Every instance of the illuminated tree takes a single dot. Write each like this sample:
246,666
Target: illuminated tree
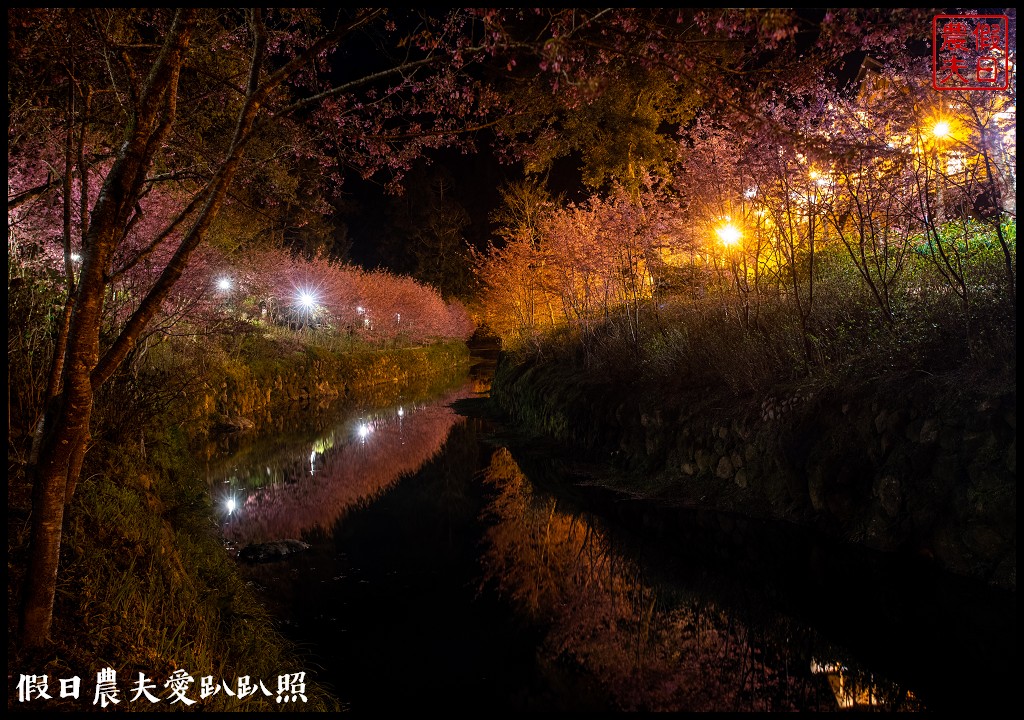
963,175
869,210
793,190
722,237
509,272
630,78
509,276
926,174
574,264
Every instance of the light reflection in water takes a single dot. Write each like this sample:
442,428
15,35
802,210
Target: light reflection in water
380,595
855,690
364,430
346,467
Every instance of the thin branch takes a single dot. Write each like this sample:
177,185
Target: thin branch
351,85
27,195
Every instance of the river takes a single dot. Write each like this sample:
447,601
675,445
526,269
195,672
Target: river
454,567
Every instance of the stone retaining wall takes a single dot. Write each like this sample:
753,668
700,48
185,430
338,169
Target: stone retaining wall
924,468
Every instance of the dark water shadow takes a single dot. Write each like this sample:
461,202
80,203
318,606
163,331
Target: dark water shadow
948,640
472,572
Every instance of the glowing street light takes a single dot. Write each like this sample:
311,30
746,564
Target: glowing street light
305,307
729,234
364,431
366,318
817,178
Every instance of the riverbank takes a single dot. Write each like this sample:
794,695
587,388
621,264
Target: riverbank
144,584
908,462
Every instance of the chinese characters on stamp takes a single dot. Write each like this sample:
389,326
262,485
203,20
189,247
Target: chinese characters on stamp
970,52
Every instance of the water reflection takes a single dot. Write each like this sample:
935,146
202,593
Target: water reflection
447,572
652,646
301,490
855,690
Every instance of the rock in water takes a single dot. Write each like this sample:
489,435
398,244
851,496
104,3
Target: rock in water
271,551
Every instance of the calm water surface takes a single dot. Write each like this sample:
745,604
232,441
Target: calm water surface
450,570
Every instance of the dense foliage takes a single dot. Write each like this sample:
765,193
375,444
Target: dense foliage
884,200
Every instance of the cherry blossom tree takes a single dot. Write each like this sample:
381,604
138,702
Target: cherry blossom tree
962,172
577,263
869,208
509,271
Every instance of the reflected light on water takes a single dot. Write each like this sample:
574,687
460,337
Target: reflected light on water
653,646
313,488
854,690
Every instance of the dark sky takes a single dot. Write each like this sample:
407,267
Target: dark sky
474,180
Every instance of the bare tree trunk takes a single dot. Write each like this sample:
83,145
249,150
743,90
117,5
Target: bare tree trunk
62,452
61,449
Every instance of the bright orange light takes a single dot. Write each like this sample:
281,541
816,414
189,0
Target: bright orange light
728,234
941,129
817,178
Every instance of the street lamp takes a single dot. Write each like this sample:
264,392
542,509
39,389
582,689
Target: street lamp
728,233
730,236
307,305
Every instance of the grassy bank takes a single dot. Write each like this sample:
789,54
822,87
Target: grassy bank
901,438
144,584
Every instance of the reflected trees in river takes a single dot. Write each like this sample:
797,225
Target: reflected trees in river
650,646
349,466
